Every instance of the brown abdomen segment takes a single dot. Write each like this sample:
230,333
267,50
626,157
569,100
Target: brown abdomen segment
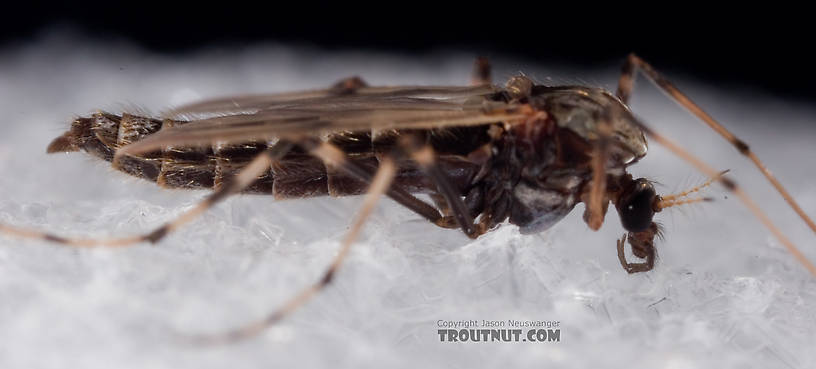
294,176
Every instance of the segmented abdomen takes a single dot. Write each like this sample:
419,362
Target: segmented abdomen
296,175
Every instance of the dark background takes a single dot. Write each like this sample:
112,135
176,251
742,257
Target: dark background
759,47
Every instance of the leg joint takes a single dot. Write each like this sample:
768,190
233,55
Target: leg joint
742,146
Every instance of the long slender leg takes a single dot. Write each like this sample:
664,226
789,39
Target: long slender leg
332,155
379,185
596,208
731,186
242,180
424,155
335,156
626,84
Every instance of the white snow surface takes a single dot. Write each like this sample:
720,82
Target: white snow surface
724,293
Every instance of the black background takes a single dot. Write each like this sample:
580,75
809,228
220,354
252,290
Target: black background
767,49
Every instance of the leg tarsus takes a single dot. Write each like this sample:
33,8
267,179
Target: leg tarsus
643,250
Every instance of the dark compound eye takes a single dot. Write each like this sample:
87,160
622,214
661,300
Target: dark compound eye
635,206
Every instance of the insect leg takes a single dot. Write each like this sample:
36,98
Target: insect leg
731,186
596,207
424,155
332,155
647,250
243,179
379,185
441,204
625,85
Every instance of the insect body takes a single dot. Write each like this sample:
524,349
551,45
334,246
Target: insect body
531,173
522,153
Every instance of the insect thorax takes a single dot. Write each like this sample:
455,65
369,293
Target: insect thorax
548,160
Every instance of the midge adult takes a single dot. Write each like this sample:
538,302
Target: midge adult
522,153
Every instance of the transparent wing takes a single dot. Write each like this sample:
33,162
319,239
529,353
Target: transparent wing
326,96
312,113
